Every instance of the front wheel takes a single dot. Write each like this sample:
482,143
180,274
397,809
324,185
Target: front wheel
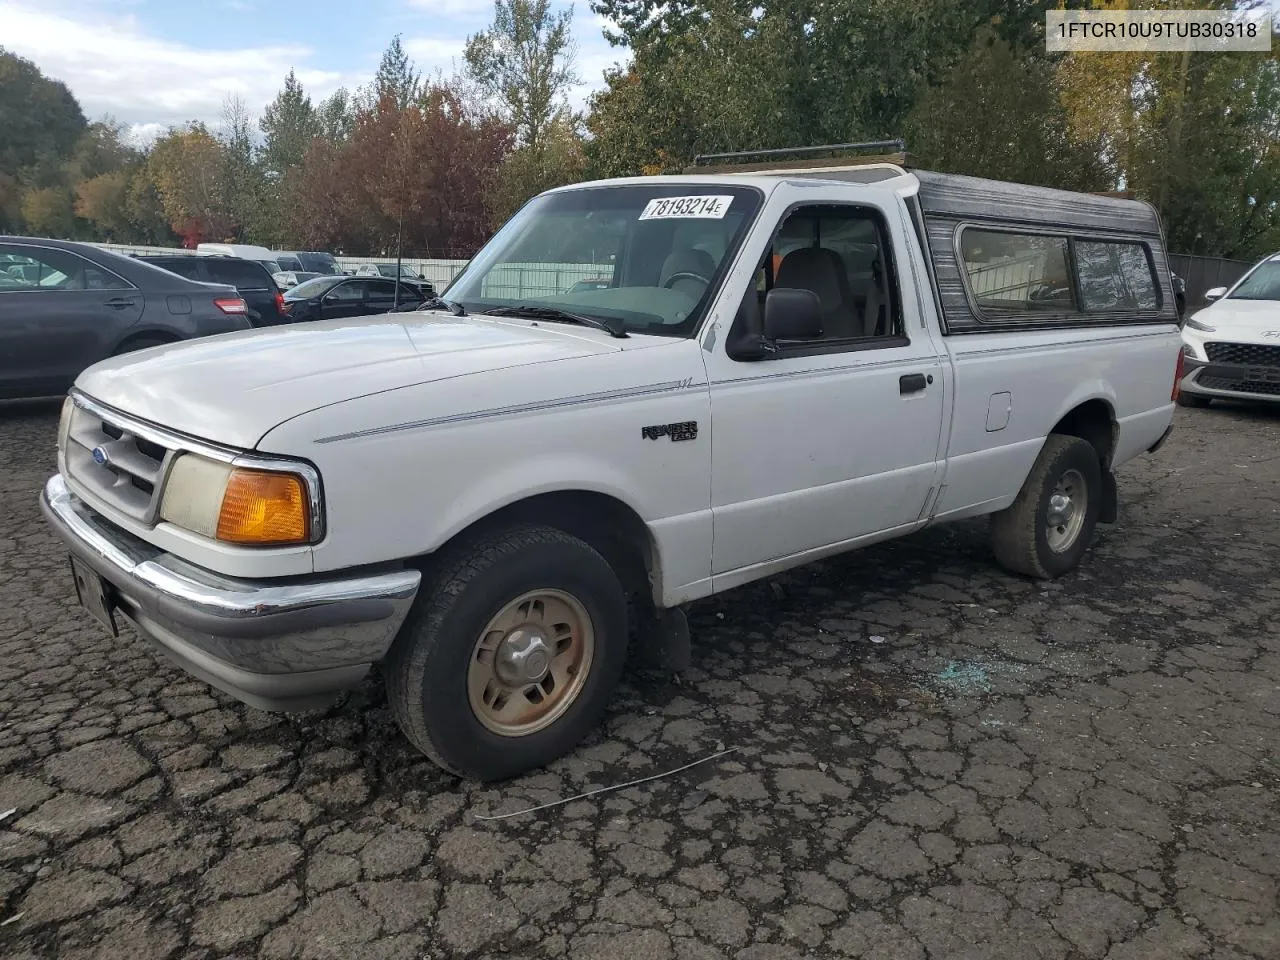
509,658
1045,532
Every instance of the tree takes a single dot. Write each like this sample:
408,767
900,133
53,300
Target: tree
432,163
335,116
104,201
996,114
525,62
10,204
526,172
242,177
102,148
717,75
49,212
289,125
145,209
39,117
1197,134
396,77
187,166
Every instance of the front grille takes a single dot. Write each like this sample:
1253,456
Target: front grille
1262,387
1248,354
129,474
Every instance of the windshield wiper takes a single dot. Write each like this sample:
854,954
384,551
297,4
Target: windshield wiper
610,325
440,303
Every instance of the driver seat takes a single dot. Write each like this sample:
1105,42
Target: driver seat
688,260
822,271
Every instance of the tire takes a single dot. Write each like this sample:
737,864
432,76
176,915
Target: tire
1021,535
141,343
433,666
1192,400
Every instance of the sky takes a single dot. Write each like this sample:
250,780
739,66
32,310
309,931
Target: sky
155,63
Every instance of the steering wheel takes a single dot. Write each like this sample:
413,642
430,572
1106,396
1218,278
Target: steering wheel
686,275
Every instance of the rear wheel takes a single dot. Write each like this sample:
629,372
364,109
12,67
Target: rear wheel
1045,532
1192,400
511,654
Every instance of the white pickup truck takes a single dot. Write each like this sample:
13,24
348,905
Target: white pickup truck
494,496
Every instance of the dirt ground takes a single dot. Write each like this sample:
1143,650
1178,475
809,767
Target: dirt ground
931,759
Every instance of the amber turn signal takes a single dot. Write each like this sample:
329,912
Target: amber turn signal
264,508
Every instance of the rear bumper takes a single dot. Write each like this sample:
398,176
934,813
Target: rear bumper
1230,381
290,645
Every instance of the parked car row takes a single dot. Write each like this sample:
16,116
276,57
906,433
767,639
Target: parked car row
287,269
64,305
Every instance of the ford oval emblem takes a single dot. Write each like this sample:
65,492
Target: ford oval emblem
1271,333
100,457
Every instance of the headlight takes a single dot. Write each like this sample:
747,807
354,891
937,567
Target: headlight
237,504
1195,324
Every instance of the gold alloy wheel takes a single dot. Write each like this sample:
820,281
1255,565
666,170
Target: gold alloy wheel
530,663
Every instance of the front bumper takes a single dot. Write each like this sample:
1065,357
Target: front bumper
289,645
1230,381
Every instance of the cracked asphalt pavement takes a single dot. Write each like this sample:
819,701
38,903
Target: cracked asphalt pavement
932,759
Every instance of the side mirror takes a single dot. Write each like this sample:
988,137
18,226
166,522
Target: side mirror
330,298
1214,293
792,314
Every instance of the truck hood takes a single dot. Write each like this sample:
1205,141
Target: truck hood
1244,321
232,389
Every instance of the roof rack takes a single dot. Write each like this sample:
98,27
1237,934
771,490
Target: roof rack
874,152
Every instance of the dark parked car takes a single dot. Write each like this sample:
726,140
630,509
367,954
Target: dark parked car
315,261
388,270
252,279
327,298
64,306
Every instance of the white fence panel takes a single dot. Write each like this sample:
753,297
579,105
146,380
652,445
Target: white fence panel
508,282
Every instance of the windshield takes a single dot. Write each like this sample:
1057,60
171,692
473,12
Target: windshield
1262,284
654,254
311,288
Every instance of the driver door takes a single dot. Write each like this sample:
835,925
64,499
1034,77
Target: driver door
822,443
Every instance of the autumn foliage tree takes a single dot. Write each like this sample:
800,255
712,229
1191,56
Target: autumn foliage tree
187,167
429,166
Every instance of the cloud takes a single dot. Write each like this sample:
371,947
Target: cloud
435,53
113,66
455,9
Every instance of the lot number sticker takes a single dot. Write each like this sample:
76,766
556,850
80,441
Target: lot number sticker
699,208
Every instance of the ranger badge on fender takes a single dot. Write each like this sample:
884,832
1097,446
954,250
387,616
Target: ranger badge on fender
676,431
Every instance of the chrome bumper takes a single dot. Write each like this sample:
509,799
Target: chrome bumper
289,645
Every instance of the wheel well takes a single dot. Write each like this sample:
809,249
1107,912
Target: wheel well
127,343
607,524
1094,422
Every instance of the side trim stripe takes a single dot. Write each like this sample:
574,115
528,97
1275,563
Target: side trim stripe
609,396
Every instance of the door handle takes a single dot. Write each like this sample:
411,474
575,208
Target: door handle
119,303
912,383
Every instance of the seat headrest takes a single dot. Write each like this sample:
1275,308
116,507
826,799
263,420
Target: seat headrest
814,268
